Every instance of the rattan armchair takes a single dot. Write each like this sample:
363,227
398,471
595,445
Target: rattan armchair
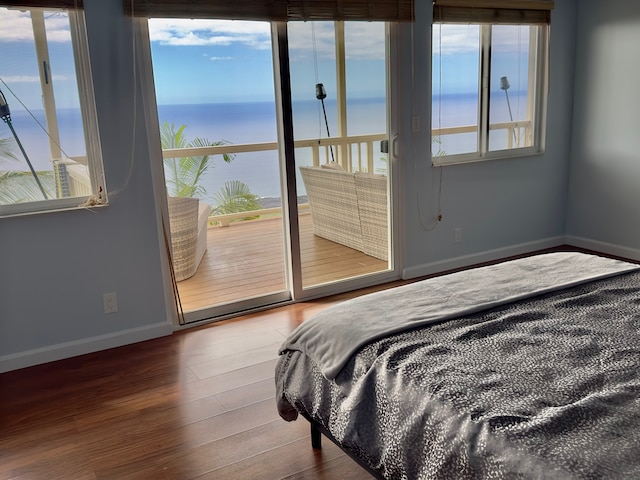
188,219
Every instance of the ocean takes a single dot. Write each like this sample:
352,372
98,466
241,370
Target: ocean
239,123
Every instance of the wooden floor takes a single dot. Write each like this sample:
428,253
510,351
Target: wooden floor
199,404
246,259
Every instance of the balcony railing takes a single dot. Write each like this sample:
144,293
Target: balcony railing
519,134
353,153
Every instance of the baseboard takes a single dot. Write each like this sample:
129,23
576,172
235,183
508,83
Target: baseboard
603,247
80,347
486,256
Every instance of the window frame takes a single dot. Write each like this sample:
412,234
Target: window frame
539,49
90,131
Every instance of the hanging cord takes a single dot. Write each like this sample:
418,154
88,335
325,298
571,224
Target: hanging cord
438,219
42,127
134,118
174,282
321,93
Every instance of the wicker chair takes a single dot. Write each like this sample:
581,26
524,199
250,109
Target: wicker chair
188,219
349,208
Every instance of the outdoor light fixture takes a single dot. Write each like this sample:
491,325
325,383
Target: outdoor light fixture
504,85
5,115
321,94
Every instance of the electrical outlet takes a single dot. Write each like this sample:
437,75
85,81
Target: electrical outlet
110,301
457,235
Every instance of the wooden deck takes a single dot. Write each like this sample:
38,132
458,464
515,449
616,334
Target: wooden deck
246,259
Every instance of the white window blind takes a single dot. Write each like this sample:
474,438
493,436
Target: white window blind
513,12
49,4
275,10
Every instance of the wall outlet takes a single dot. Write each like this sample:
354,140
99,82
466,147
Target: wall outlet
110,301
457,235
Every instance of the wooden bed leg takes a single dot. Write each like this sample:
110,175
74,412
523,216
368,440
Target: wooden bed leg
316,437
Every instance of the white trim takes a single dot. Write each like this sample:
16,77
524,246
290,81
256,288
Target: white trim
604,247
86,96
90,131
536,103
142,52
83,346
486,256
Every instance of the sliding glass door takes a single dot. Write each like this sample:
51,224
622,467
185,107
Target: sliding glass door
226,93
339,102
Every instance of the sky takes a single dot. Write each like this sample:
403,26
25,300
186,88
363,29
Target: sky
456,57
207,61
232,60
19,66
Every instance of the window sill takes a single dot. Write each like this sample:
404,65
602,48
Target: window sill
448,160
49,206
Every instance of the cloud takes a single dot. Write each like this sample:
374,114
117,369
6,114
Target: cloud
218,59
11,79
454,39
511,38
15,26
365,40
185,32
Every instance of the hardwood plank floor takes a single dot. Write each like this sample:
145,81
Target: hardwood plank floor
199,404
246,259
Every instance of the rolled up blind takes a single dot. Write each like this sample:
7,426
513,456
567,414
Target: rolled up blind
53,4
514,12
275,10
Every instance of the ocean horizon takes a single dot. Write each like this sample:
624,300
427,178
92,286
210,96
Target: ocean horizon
255,122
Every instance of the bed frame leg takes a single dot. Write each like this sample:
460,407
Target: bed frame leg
316,437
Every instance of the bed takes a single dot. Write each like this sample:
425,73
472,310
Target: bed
523,369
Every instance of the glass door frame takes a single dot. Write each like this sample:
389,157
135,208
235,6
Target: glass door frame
294,290
288,166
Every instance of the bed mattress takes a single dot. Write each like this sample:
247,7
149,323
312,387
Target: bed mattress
542,387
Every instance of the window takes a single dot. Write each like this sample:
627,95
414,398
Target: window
489,78
50,155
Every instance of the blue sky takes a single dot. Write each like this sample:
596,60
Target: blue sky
232,61
456,58
19,67
206,61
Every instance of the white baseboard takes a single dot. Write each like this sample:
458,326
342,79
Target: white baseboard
603,247
486,256
80,347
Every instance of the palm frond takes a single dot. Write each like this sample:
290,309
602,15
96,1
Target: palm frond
6,150
21,187
235,196
183,174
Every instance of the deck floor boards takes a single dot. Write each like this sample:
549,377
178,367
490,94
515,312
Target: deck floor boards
246,259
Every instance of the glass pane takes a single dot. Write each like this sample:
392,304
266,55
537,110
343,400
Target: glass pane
456,57
512,89
215,89
366,99
44,110
338,129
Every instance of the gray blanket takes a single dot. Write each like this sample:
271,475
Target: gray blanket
334,335
544,388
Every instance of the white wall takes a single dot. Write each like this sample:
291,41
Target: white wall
502,206
604,206
55,267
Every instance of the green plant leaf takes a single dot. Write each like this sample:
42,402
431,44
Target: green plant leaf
235,196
